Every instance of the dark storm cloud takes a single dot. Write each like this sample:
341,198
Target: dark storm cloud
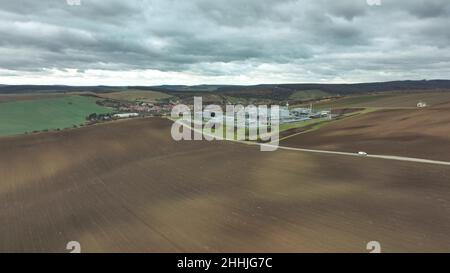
429,8
319,39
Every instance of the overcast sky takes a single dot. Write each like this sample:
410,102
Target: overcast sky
152,42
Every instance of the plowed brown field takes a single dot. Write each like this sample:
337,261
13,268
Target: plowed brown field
420,133
126,186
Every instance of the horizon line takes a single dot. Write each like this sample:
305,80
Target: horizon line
218,84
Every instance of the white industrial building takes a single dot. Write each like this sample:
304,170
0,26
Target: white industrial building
126,115
253,116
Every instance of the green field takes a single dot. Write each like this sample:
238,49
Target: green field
19,117
136,95
308,95
300,124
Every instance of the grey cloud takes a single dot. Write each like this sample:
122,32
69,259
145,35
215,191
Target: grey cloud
348,9
232,37
429,8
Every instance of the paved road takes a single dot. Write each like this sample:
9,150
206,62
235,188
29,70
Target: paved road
386,157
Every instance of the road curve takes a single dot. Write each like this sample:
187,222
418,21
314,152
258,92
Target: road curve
386,157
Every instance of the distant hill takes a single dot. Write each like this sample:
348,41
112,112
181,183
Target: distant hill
306,86
269,91
19,89
287,91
